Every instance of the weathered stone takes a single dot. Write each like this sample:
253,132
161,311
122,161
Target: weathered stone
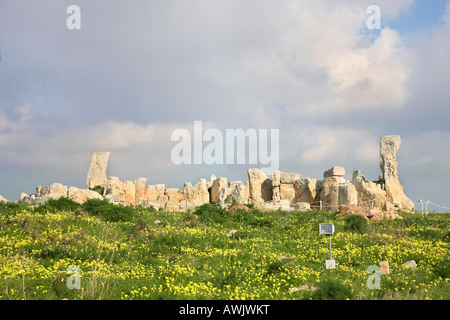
410,264
130,192
81,196
260,186
284,205
196,195
115,191
39,191
389,146
71,191
287,192
174,196
246,191
348,194
140,190
96,175
332,199
302,206
280,192
162,199
276,178
23,196
154,191
353,209
201,195
306,190
45,191
309,287
289,177
334,172
58,190
237,193
231,233
368,192
218,191
329,193
384,267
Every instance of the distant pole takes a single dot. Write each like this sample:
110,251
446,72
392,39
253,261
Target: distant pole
320,204
426,209
373,201
421,202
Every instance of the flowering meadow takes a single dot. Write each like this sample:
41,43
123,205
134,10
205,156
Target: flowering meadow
141,253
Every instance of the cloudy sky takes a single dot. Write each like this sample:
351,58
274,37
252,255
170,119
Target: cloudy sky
138,70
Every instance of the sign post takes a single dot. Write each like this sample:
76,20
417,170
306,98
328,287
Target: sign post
328,229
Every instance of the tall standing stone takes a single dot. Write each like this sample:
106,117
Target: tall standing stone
140,190
96,175
218,190
389,146
260,186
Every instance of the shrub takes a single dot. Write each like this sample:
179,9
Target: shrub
108,211
11,208
61,204
330,289
99,189
356,223
442,269
275,267
210,214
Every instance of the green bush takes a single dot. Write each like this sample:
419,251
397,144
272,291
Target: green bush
108,211
99,189
11,208
356,223
330,289
61,204
208,213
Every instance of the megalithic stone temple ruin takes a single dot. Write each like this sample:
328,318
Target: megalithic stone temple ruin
283,190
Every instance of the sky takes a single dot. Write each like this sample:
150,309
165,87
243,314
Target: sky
137,71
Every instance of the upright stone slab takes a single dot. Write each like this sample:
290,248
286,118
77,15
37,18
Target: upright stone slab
154,191
196,195
389,146
140,190
306,190
260,186
348,194
237,193
96,175
218,190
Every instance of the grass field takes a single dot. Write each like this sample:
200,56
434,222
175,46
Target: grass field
137,253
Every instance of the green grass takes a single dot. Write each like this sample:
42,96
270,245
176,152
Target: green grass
123,254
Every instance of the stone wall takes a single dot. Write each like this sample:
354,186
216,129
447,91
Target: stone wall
282,190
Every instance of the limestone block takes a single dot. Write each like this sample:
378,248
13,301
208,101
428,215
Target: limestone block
260,186
97,170
81,196
154,191
348,194
334,172
287,192
140,190
58,190
218,191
